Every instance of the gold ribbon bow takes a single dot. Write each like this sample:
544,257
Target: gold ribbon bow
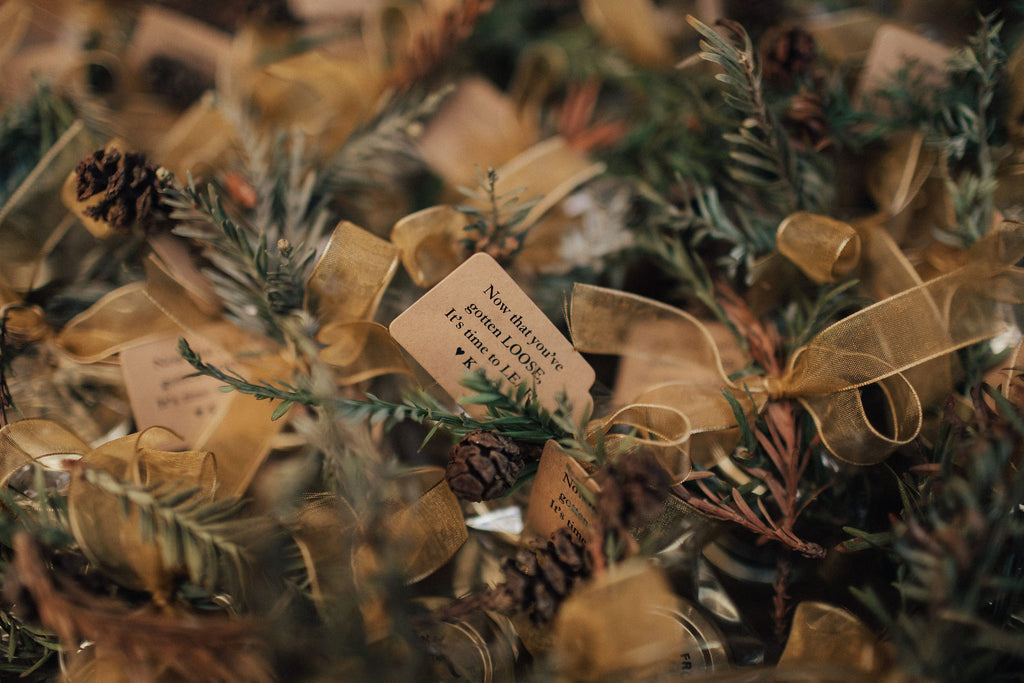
873,348
343,291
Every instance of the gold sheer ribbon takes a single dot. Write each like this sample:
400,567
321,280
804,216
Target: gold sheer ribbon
428,240
874,348
425,526
825,249
108,537
419,530
346,285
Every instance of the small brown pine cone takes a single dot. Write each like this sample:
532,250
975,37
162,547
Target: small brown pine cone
539,578
483,465
632,491
787,54
129,183
93,173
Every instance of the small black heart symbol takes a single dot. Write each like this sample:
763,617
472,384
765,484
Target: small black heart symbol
459,351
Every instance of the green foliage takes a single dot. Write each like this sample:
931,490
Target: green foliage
27,131
497,229
42,513
961,556
193,530
672,131
515,412
670,234
28,649
762,157
380,147
806,316
968,127
288,394
248,274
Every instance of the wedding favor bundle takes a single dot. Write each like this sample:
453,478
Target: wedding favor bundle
490,340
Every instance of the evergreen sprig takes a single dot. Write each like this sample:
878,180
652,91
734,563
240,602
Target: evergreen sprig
247,274
960,554
514,412
193,530
288,394
671,235
498,228
968,125
762,156
383,145
28,130
38,511
27,649
43,514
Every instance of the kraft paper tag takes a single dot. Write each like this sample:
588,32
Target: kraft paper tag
478,318
162,393
556,499
892,48
477,126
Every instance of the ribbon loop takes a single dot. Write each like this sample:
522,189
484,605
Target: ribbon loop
887,350
825,249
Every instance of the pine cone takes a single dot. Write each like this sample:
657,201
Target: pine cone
539,578
130,187
483,465
787,55
632,491
93,172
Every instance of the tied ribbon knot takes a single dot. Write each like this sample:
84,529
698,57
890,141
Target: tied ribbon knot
873,357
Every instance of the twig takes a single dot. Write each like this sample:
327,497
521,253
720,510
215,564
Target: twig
781,606
143,642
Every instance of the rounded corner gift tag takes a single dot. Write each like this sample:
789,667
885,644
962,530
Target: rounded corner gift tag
478,318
